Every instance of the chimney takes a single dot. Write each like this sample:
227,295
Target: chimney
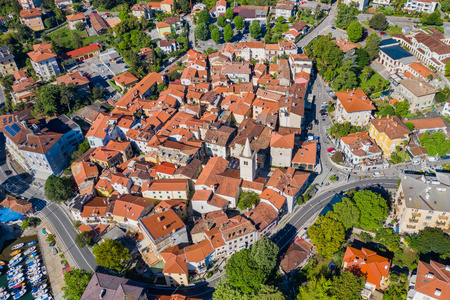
159,219
165,226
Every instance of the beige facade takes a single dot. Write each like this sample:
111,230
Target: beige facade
32,18
419,94
7,64
421,202
174,279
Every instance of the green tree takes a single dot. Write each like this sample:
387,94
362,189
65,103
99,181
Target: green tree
268,292
401,109
124,15
317,288
345,16
436,143
225,291
203,17
80,26
445,5
347,79
185,6
238,22
111,254
255,30
215,35
386,110
347,286
76,281
327,56
372,46
378,22
355,31
339,130
348,213
328,234
229,14
367,73
373,209
57,189
25,224
222,21
83,239
432,19
247,199
228,33
242,273
264,253
76,7
50,22
201,32
431,240
48,100
362,58
410,125
388,238
81,149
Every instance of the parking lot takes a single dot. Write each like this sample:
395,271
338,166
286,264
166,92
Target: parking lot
113,62
99,75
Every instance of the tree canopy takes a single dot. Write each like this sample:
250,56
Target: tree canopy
222,21
355,31
432,19
228,33
238,22
229,13
372,46
326,54
435,143
347,286
255,30
83,239
265,252
76,281
378,22
111,254
348,213
317,288
431,240
388,238
328,234
373,209
242,272
247,199
345,16
401,109
201,32
57,189
339,130
215,35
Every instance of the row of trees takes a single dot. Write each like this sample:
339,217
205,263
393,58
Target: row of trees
364,209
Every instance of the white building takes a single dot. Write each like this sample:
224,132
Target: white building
427,6
431,282
446,110
166,189
359,147
44,61
354,107
281,149
247,162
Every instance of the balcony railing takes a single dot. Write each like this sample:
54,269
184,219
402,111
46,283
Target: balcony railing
414,221
411,226
443,218
416,215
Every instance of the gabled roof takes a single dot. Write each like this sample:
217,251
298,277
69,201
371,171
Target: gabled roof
131,207
161,224
392,126
18,205
76,78
81,51
125,78
76,17
354,101
30,13
214,166
433,280
372,265
282,141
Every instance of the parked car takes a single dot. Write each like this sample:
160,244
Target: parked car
329,150
332,27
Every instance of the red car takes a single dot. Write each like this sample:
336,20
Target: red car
87,75
331,150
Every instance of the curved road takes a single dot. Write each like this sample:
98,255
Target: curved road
20,184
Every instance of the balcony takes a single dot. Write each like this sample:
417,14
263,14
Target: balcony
413,221
411,226
443,218
440,223
417,215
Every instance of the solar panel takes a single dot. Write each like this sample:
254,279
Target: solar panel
10,131
15,127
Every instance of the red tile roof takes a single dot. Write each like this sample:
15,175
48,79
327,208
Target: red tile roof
81,51
41,52
354,101
433,280
162,224
18,205
282,141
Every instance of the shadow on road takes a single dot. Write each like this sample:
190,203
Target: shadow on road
284,236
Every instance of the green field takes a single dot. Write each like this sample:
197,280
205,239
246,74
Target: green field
64,38
393,29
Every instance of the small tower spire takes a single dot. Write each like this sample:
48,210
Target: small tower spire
247,152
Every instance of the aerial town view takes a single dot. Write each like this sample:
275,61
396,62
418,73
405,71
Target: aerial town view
225,149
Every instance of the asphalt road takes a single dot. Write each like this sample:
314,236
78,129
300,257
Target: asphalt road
21,185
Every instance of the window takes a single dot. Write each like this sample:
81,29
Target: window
428,218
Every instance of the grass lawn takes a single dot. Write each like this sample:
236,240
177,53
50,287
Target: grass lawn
114,9
375,80
446,167
323,263
393,29
63,38
408,258
403,155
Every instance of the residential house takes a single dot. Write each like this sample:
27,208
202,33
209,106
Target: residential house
419,93
289,183
167,46
121,184
85,174
124,147
375,267
163,29
345,45
163,230
237,71
23,88
431,281
300,63
359,147
63,4
32,18
428,124
113,287
354,107
167,6
176,272
166,189
388,132
106,158
421,202
98,23
217,141
264,217
219,9
296,255
427,6
74,19
7,64
252,12
382,2
166,170
292,111
108,127
296,31
18,205
80,82
81,54
140,10
96,210
125,80
205,201
421,71
128,209
104,187
44,61
281,149
237,234
284,9
207,180
306,156
179,207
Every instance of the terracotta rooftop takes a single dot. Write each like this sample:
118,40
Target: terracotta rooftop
282,141
161,224
433,280
392,126
354,101
18,205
